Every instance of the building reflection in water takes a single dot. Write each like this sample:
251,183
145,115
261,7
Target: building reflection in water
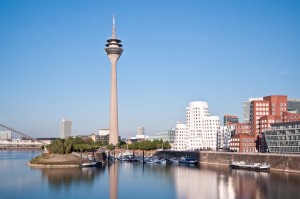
113,180
219,182
65,177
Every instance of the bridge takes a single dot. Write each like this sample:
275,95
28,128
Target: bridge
28,141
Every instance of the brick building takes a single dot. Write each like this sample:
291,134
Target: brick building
243,142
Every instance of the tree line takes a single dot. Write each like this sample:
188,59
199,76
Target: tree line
68,145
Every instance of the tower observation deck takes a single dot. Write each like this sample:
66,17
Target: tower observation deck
113,50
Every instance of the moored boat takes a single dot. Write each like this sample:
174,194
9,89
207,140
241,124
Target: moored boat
91,164
187,160
251,166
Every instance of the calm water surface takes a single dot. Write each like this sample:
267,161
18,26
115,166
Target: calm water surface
133,180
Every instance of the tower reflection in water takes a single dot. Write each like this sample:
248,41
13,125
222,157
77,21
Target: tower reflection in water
113,180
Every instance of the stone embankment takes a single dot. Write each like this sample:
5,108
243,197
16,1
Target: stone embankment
278,162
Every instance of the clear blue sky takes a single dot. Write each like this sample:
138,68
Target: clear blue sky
53,63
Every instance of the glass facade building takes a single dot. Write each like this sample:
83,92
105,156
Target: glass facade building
283,137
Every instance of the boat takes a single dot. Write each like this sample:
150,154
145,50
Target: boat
251,166
91,164
174,160
187,160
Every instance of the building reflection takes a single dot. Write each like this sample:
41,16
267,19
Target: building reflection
65,177
220,182
113,180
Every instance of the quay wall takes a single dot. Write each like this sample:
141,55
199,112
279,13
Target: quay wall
278,162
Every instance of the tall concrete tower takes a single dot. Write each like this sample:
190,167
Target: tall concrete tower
113,50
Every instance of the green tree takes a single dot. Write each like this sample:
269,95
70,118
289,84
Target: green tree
57,146
111,147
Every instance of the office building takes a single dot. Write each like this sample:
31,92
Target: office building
5,135
294,105
141,131
274,105
202,128
243,142
180,137
165,136
283,137
224,137
230,119
65,128
246,109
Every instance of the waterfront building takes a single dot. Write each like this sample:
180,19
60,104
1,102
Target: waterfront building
290,117
270,105
141,130
104,135
230,119
224,136
246,109
113,50
202,128
294,105
266,121
65,128
165,136
180,137
283,137
243,142
5,135
241,128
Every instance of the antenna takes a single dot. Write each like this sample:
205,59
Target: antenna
114,28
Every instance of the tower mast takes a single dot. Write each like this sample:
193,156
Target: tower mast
113,50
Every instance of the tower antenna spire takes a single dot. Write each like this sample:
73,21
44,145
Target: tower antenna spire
114,28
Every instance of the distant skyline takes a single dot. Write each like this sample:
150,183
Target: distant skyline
53,63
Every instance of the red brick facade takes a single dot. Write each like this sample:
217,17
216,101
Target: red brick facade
243,142
274,105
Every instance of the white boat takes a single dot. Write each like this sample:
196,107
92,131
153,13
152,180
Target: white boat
91,164
174,160
251,166
187,160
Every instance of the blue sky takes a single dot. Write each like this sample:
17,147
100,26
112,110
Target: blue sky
53,63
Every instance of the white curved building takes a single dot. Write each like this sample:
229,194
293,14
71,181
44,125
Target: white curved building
180,137
202,128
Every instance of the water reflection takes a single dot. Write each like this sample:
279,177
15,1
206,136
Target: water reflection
113,180
65,177
124,180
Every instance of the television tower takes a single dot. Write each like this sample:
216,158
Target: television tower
113,50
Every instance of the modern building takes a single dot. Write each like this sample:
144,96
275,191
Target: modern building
113,50
230,119
165,136
270,105
5,135
202,128
224,137
246,109
290,117
283,137
294,105
180,138
241,128
243,142
104,135
141,130
65,128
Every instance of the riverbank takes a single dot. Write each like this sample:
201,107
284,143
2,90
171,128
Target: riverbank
288,163
55,161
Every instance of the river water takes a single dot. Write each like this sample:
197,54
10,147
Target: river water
135,180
